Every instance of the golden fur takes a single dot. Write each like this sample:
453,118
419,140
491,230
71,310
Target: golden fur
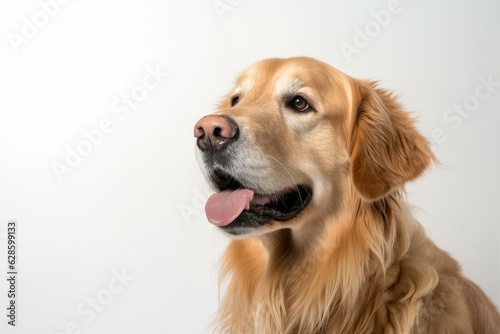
354,260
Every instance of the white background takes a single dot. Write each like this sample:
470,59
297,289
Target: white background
135,202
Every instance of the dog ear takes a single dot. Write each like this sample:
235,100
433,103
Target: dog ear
387,150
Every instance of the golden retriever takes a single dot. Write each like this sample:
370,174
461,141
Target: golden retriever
309,166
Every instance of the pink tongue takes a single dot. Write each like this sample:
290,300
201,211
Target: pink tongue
225,206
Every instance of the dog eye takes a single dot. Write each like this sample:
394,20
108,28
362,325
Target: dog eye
298,103
235,100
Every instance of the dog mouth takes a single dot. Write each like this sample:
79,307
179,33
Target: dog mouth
237,209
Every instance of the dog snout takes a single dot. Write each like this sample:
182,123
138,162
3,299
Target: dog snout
214,132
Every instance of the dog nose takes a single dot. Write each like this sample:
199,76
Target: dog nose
214,132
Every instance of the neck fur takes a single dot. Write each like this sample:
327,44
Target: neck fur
296,281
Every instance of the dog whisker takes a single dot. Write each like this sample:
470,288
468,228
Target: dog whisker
291,176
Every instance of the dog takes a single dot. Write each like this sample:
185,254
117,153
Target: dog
309,167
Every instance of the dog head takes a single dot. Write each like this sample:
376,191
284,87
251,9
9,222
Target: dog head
293,136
